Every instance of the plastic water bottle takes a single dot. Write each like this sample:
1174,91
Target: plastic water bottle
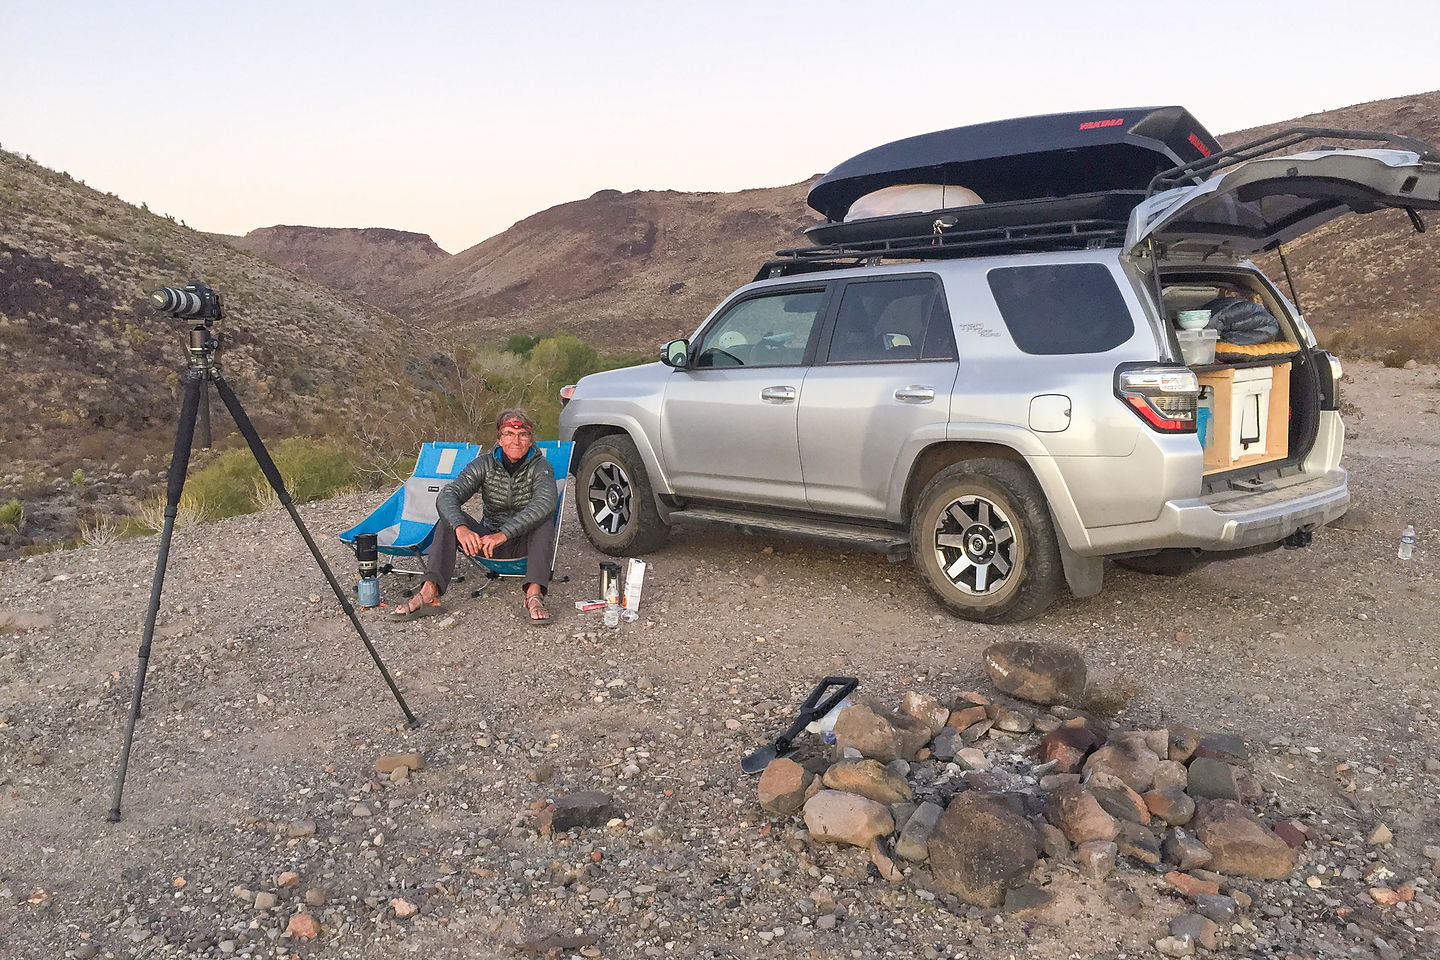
612,605
825,726
1407,543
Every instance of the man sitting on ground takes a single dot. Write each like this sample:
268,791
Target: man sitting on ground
517,490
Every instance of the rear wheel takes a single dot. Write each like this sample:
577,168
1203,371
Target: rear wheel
982,540
614,501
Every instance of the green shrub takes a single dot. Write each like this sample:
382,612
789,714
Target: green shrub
78,477
312,470
520,344
12,514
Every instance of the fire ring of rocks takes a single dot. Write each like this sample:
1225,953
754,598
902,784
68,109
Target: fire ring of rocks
976,792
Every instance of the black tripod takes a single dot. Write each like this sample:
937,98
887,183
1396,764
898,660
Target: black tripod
203,367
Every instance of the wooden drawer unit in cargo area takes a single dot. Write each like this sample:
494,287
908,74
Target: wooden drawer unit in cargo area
1248,419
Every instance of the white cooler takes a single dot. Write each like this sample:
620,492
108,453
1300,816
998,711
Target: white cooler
1249,411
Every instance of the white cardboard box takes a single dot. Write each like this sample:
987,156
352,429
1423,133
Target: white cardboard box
634,581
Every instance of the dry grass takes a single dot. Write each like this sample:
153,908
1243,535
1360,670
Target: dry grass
190,511
100,530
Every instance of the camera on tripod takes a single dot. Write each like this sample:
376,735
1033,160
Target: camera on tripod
194,302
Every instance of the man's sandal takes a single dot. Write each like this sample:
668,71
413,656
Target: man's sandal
536,604
415,607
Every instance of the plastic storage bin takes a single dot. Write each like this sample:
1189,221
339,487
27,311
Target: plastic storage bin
1197,347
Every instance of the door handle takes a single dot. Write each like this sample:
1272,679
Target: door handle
779,394
915,393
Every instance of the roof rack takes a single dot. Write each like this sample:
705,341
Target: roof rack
1280,140
946,242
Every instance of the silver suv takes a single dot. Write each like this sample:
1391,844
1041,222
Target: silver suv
999,390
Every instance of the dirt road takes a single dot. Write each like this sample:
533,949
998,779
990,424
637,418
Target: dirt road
264,718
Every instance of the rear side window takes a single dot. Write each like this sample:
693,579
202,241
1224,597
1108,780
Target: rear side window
1062,307
891,320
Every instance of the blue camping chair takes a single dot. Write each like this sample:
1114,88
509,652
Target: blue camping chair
558,452
405,523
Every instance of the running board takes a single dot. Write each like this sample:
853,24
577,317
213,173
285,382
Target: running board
891,543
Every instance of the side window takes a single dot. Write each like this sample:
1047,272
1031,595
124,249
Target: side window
1062,307
764,331
891,320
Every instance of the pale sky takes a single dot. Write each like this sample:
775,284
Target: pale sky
457,119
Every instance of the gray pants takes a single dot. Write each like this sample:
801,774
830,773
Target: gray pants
537,547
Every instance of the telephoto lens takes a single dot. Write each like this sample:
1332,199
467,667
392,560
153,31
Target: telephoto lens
196,300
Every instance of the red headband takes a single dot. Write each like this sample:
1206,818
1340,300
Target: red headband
517,424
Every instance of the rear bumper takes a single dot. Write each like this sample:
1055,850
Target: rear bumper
1236,519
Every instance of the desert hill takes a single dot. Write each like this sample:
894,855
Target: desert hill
1369,284
92,373
628,271
624,271
363,261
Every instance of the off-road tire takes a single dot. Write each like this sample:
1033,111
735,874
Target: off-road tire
986,522
613,499
1166,563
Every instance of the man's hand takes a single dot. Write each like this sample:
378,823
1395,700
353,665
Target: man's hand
472,543
490,542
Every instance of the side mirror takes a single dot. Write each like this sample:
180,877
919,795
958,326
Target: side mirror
676,354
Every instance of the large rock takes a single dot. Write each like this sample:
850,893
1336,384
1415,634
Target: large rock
1039,672
868,778
1075,810
839,817
981,847
1239,843
880,736
782,786
1128,758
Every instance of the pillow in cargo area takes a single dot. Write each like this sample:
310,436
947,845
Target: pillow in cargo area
910,198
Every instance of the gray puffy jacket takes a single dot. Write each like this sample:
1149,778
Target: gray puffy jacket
515,503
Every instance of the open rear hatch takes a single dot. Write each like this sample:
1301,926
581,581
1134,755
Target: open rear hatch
1258,204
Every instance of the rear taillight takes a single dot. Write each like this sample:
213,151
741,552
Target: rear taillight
566,392
1163,396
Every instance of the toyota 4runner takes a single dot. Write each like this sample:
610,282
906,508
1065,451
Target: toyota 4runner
978,363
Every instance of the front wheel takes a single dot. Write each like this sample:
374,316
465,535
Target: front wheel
614,501
982,540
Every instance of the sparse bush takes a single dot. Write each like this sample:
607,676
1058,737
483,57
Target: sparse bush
101,530
12,514
151,517
78,477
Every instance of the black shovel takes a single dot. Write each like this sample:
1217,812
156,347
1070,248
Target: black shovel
811,710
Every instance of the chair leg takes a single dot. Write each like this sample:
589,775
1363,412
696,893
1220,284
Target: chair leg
490,580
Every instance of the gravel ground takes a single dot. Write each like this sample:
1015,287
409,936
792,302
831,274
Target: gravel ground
264,718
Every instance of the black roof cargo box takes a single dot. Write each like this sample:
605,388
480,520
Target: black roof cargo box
1042,158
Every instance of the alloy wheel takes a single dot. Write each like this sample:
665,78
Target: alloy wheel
975,545
608,493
